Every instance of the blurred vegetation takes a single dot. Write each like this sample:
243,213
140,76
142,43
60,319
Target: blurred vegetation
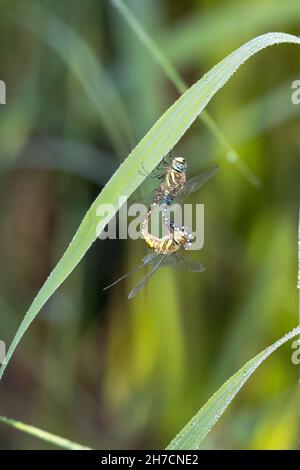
81,92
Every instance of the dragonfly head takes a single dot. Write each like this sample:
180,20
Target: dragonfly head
179,164
182,236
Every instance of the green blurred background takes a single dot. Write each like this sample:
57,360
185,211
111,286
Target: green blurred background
81,92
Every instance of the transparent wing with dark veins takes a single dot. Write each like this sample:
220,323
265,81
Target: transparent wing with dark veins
193,184
147,260
157,262
180,262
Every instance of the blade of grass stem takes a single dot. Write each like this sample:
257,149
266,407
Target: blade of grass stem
43,435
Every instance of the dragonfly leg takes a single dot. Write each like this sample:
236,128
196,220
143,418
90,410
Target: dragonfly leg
143,171
153,174
165,159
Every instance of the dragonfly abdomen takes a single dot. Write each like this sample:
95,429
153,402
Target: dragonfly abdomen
164,245
170,243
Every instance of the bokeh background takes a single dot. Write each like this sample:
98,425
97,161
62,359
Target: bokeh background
81,92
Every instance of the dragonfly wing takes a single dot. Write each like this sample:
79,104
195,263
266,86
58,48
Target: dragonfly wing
157,262
146,260
195,183
150,258
184,264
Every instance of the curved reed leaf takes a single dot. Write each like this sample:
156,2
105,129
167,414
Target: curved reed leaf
43,435
161,138
199,426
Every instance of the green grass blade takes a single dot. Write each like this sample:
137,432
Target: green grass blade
161,138
170,71
224,20
199,426
72,48
150,45
43,435
68,155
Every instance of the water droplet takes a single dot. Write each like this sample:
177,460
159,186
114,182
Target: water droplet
231,157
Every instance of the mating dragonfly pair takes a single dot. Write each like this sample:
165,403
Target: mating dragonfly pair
174,186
